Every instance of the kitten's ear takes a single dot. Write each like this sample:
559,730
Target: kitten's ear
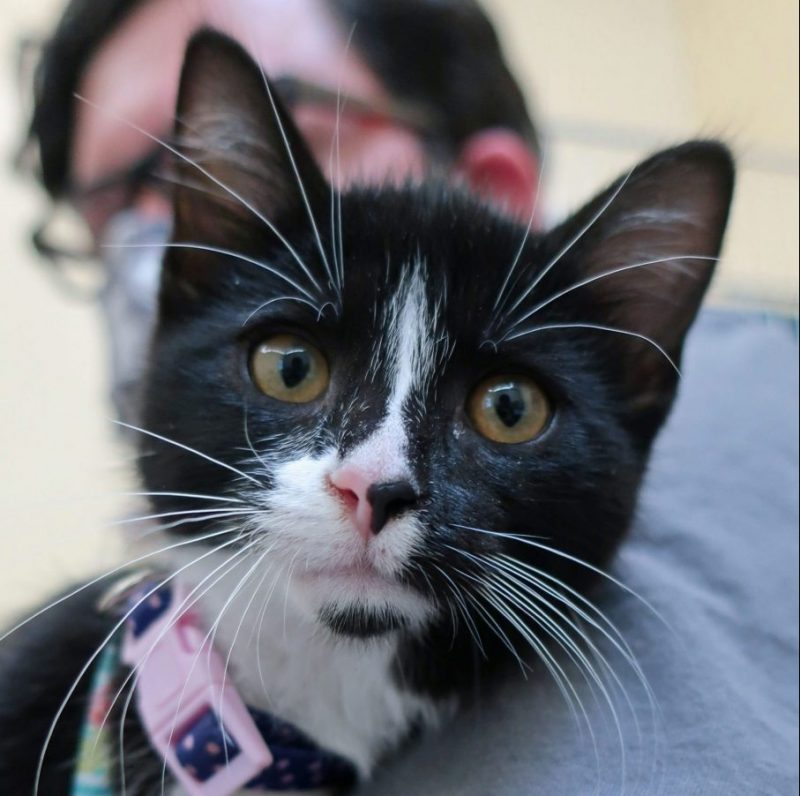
242,158
669,215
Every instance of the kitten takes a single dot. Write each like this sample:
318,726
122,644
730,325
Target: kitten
417,421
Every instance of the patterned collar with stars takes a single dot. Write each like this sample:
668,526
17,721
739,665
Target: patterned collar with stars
210,741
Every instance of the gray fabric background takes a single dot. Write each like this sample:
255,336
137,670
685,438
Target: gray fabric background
715,551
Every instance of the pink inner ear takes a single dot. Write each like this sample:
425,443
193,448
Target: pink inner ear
500,166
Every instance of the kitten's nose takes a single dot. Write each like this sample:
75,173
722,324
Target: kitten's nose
372,504
388,500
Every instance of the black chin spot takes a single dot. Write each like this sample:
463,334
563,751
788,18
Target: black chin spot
360,622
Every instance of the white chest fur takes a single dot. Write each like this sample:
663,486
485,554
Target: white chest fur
339,691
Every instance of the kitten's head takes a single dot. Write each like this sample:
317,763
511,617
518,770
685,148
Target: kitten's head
407,392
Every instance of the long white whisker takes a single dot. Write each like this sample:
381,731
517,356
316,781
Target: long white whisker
464,608
617,640
187,603
256,588
575,560
181,495
208,643
168,526
108,574
260,624
215,511
524,668
190,600
560,678
603,275
234,255
599,328
296,171
186,159
319,310
85,668
189,450
570,646
339,110
501,295
528,290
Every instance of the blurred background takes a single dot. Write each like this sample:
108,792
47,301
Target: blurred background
607,81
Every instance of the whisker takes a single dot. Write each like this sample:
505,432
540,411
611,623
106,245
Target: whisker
182,513
556,671
180,611
186,159
605,274
529,540
319,310
208,642
96,653
501,295
108,574
599,328
181,495
460,602
577,237
261,617
187,603
569,645
189,450
524,668
339,110
192,520
201,247
617,640
246,610
296,171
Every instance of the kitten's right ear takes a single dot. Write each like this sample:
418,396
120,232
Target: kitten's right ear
242,161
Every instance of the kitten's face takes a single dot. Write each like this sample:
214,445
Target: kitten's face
394,381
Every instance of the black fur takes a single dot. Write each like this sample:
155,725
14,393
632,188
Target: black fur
38,665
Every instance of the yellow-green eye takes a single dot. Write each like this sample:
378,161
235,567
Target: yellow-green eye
509,409
288,368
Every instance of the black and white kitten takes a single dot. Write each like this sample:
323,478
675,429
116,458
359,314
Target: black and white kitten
415,419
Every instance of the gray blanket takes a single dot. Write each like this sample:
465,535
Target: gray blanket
715,552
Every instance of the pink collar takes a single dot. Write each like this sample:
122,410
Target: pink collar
211,742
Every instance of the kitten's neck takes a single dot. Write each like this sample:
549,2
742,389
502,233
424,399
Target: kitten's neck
341,692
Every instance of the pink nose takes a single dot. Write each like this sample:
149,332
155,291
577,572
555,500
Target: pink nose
371,505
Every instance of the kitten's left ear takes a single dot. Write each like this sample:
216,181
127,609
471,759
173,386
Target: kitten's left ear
243,160
646,250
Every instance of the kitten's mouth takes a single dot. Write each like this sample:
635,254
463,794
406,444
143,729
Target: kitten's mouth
360,573
360,601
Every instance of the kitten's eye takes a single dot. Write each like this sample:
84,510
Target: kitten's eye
509,409
289,369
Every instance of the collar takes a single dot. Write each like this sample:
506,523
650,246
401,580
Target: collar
211,741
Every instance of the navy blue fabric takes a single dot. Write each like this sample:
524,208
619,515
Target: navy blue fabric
715,552
147,609
205,747
299,764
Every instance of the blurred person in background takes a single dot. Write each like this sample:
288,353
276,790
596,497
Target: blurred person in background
383,90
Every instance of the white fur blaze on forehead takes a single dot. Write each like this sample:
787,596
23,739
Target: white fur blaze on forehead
411,339
409,347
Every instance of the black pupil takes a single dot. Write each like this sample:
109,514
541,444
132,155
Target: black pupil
509,405
294,367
